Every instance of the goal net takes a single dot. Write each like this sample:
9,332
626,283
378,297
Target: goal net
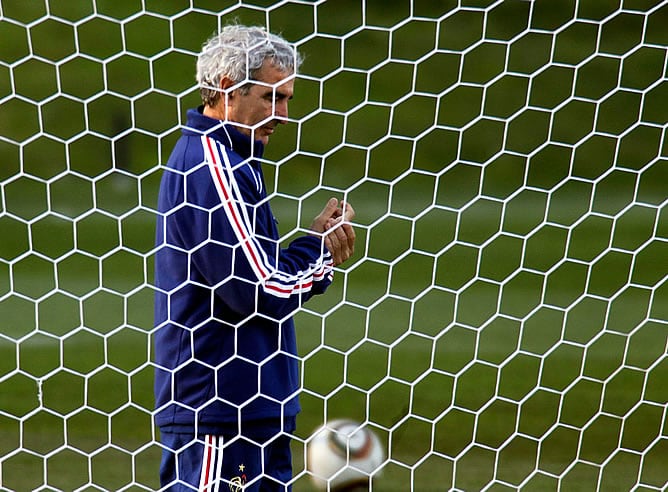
502,324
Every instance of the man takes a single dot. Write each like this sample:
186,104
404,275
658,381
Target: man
227,377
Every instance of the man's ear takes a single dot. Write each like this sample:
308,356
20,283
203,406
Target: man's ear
225,84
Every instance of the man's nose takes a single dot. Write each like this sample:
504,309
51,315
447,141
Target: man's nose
281,111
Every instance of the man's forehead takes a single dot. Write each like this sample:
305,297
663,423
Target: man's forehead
270,75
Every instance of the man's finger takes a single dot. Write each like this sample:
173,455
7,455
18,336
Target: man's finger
330,211
348,211
330,207
350,236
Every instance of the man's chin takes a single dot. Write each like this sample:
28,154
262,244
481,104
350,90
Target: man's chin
264,135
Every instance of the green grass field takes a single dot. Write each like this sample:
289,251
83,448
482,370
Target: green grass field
502,324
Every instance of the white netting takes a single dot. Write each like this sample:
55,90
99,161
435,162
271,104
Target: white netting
503,322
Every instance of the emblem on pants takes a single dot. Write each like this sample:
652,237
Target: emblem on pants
238,482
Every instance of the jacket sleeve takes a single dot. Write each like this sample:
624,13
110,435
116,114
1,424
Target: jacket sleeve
250,273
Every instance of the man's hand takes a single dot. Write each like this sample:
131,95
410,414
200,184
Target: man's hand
334,221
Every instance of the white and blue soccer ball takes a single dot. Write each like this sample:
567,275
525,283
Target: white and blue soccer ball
343,454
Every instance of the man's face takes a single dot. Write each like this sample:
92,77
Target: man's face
265,105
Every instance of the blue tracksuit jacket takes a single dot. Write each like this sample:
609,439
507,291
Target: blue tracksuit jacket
224,343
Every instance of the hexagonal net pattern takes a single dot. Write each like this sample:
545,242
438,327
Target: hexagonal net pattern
503,320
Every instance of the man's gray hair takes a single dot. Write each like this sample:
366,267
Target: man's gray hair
237,52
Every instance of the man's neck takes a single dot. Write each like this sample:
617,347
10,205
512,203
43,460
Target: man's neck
213,113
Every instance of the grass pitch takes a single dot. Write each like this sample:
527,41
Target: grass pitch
504,317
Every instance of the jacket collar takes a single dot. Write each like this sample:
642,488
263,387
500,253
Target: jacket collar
227,134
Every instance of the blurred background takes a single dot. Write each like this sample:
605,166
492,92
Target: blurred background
503,321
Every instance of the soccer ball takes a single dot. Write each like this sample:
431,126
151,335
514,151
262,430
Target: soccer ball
343,454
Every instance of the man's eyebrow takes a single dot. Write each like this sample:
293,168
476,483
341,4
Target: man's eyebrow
283,94
279,93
